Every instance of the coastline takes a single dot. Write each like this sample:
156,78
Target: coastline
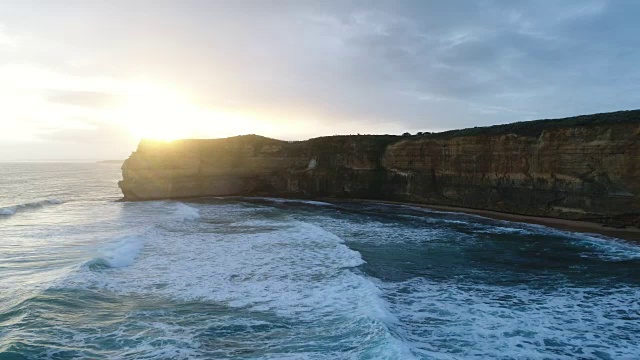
628,233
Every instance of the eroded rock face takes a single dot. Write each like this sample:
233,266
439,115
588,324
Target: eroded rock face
587,172
255,165
574,173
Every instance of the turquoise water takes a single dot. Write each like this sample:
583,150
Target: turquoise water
82,276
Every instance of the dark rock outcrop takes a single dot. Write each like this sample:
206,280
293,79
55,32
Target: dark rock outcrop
582,168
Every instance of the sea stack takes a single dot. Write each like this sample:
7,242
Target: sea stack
581,168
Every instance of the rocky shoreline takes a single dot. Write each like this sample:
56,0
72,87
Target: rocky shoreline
626,232
584,169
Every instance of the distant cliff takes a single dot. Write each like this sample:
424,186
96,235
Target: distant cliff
582,168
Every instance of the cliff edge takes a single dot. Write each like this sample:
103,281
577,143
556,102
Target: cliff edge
580,168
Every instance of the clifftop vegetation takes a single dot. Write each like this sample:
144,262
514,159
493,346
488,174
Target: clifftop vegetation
534,128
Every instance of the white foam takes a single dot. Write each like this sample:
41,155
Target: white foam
12,210
388,232
504,230
268,269
305,274
455,320
292,201
122,253
294,269
185,212
597,246
608,249
433,211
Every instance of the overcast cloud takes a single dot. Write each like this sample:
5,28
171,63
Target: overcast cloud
330,67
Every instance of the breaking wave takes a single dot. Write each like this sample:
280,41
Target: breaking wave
185,212
291,201
118,255
12,210
307,282
295,270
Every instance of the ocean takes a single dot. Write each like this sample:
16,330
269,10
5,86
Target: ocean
84,276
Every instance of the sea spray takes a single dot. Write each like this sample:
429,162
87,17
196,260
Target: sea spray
293,270
122,253
185,212
274,280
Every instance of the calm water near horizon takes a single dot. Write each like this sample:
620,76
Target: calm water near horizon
83,276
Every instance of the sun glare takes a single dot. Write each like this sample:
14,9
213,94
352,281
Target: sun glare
158,113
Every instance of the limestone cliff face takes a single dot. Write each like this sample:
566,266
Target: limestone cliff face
575,169
255,165
574,173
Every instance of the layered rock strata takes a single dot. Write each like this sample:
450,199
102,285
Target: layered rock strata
583,168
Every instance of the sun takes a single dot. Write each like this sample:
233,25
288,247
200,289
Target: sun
160,113
157,113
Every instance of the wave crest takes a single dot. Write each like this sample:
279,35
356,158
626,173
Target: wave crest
118,255
186,213
12,210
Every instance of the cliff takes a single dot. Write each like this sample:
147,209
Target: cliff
581,168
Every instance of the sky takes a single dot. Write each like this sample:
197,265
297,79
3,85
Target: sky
87,79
